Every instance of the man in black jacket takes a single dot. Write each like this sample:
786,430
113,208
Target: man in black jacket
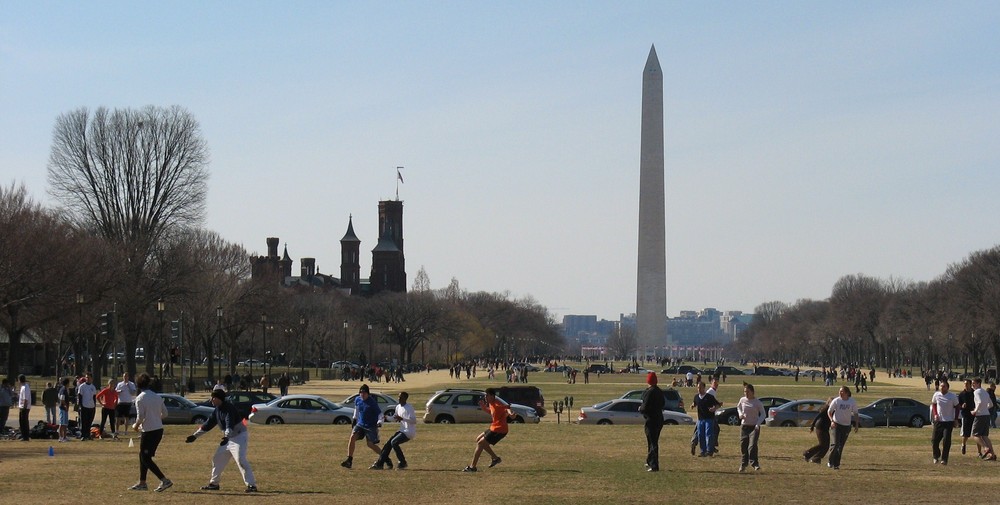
234,442
652,410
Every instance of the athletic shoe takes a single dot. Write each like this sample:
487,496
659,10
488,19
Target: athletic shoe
936,461
139,487
818,461
251,489
402,466
991,457
375,466
652,469
756,468
944,462
165,484
470,469
743,468
495,462
388,464
346,463
963,448
806,457
693,447
211,486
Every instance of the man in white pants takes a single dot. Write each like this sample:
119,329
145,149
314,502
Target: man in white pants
234,442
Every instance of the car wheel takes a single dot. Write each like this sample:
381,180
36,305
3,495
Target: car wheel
518,420
788,424
733,419
342,420
275,420
199,420
604,421
917,422
670,422
444,420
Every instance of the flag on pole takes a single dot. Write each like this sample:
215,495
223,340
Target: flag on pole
399,175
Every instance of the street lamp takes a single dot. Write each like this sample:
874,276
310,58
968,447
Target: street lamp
263,333
422,361
160,307
302,347
371,358
218,336
389,340
345,341
79,306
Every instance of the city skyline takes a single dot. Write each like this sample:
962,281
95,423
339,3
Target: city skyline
803,142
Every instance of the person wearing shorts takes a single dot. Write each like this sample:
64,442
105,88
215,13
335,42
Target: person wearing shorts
127,392
499,411
966,401
63,398
367,417
981,424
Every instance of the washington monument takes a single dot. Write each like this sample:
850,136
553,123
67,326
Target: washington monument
651,295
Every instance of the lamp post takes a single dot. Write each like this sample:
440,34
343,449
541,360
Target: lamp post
389,341
302,348
371,345
263,333
160,307
345,340
422,361
218,337
79,325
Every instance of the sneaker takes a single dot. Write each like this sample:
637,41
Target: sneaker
936,461
211,486
495,462
817,461
963,448
743,468
756,468
346,463
402,466
944,461
470,469
139,487
693,447
388,464
375,466
251,489
165,484
991,457
806,456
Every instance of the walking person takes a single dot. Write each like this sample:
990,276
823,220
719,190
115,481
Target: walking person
706,405
283,382
751,412
108,398
366,423
23,403
149,414
407,418
235,438
499,413
651,409
843,414
127,391
981,423
86,395
820,425
944,414
967,403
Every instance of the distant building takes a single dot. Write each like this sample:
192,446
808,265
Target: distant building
388,271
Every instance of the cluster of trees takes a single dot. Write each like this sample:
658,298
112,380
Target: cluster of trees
127,240
951,322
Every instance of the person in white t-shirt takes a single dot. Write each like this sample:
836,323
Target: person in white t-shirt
843,414
944,415
981,424
127,392
149,414
751,412
407,418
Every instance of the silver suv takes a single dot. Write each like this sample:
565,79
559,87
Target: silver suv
462,406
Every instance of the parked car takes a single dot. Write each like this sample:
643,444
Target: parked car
243,400
180,410
729,415
462,406
524,395
301,409
902,412
386,403
681,370
766,370
595,368
725,369
623,411
802,413
672,399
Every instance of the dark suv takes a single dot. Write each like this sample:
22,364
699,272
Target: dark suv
525,395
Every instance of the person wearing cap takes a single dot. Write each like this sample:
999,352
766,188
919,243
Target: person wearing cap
366,421
235,438
651,409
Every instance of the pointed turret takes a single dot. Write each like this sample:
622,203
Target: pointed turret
350,259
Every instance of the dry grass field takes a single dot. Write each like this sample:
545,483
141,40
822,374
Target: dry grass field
546,463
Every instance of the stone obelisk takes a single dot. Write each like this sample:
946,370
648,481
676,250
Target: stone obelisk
651,295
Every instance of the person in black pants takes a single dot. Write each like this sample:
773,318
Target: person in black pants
967,402
944,414
24,403
843,414
651,409
821,425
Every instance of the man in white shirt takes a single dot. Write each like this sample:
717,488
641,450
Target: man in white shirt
407,418
944,415
24,403
981,424
751,412
127,392
86,395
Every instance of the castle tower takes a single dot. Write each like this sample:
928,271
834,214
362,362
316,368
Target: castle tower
388,258
350,259
651,292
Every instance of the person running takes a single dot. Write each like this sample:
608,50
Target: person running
843,414
944,414
967,402
981,423
821,425
706,405
126,395
108,398
495,433
751,412
149,414
235,438
366,422
651,409
407,418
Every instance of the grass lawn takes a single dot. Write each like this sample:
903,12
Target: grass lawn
546,463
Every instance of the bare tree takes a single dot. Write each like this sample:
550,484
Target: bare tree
421,283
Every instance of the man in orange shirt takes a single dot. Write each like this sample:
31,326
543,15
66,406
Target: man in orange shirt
497,430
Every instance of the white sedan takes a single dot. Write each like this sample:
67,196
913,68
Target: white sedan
301,409
622,411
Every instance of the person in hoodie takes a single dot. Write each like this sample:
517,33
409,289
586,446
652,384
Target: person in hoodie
235,438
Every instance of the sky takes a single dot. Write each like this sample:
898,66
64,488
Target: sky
804,141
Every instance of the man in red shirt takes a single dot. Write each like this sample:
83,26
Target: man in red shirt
497,430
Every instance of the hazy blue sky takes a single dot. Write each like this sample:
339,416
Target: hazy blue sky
804,140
